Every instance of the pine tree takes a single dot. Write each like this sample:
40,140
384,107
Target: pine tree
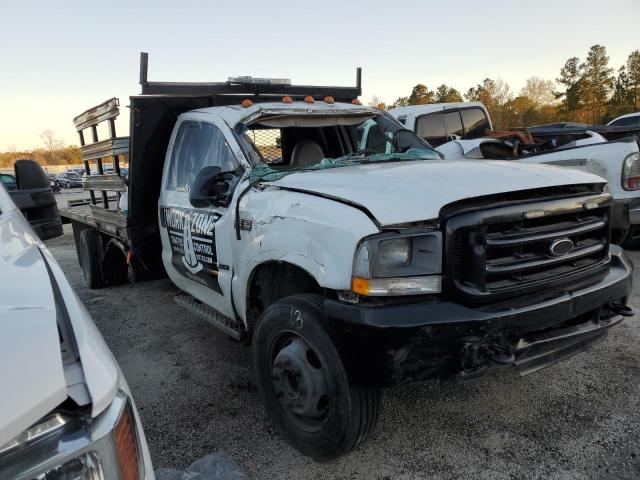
570,78
445,94
597,81
421,95
633,71
622,99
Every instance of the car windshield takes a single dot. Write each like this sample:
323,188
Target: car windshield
280,147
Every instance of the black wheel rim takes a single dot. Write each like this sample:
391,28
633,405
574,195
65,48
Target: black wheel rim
299,380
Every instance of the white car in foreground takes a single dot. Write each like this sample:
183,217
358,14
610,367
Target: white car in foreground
66,411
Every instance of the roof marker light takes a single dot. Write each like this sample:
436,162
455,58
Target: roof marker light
329,100
309,99
356,101
287,99
246,103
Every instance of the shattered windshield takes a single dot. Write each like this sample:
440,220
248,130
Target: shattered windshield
285,145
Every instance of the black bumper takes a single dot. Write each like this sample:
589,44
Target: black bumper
391,344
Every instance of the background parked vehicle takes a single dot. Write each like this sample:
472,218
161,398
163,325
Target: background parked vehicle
439,123
8,181
562,144
54,182
66,409
350,265
70,179
628,120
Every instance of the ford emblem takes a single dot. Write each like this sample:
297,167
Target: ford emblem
560,247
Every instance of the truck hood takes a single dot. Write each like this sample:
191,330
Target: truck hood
32,373
417,190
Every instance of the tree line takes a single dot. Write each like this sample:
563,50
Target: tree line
54,152
588,91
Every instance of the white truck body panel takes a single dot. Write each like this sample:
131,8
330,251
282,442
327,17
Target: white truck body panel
427,185
318,227
32,377
603,159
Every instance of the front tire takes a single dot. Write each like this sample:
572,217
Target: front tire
303,383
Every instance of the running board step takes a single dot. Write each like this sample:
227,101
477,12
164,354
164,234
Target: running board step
212,316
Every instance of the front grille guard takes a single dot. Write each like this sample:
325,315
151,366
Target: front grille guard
471,238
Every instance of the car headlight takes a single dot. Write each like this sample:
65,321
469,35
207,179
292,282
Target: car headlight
389,264
631,172
77,447
395,253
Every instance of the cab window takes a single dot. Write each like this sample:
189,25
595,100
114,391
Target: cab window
197,145
625,122
475,122
453,124
432,129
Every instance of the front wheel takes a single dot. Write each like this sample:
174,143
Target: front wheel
303,383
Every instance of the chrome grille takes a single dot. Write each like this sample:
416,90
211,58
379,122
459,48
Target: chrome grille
496,253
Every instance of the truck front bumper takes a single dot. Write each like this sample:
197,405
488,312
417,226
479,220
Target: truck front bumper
435,339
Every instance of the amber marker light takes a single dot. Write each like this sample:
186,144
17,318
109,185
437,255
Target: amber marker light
127,447
287,100
246,103
329,100
309,99
360,285
356,101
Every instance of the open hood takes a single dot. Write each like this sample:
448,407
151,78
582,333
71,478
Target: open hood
417,190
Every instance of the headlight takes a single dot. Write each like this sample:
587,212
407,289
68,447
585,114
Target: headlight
47,426
631,172
77,447
394,253
399,264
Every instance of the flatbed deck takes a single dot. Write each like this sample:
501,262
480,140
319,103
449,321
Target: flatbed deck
113,222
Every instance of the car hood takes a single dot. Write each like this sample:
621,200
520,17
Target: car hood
417,190
32,374
32,380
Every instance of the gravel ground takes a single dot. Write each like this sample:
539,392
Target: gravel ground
196,395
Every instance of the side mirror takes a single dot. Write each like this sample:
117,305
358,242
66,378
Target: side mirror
35,199
212,186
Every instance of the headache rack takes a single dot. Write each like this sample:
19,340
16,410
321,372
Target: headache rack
255,89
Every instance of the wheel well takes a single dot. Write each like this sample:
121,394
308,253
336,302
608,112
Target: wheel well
270,282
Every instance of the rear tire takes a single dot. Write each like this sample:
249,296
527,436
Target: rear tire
91,258
115,270
303,383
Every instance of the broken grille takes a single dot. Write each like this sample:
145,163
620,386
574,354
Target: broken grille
498,253
268,143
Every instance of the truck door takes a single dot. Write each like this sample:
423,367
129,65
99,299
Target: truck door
196,242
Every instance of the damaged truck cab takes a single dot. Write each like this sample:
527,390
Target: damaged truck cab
353,268
352,263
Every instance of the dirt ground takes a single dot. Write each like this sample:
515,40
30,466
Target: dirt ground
196,395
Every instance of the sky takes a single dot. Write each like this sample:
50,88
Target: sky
59,58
